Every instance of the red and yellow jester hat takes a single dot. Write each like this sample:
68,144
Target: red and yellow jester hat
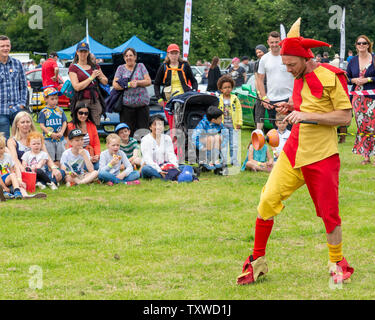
295,45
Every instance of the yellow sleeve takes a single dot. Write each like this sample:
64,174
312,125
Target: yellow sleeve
339,97
238,113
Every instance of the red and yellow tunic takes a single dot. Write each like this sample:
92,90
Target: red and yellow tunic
310,156
321,91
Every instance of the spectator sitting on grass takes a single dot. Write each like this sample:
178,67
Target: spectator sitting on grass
74,159
35,160
258,160
111,161
284,134
209,138
157,151
82,119
7,173
129,145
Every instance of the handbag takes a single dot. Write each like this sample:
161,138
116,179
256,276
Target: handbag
67,89
119,103
117,107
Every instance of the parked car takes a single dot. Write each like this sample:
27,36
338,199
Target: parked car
109,122
35,93
245,95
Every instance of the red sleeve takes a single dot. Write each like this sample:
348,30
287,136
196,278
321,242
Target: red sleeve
94,137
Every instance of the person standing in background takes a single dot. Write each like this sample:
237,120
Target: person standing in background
13,88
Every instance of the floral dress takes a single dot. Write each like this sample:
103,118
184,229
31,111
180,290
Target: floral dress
365,117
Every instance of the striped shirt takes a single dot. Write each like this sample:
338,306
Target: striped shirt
86,140
13,89
130,147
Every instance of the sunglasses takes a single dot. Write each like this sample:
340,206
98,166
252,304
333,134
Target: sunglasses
81,113
364,43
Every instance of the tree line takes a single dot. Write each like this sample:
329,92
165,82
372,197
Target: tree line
225,28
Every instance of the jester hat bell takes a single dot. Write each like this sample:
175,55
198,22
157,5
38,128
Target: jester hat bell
295,45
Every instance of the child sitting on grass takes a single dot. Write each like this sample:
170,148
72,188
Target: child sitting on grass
258,160
111,161
35,160
284,134
74,159
209,139
129,145
8,177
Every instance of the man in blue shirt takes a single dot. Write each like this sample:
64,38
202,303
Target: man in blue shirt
13,88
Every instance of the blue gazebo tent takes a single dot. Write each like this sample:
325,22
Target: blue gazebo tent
100,51
139,46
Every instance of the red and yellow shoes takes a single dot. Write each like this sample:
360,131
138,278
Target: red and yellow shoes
340,271
252,270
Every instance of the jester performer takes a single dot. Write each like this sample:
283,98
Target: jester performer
309,156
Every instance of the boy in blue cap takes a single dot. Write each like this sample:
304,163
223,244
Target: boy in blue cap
129,145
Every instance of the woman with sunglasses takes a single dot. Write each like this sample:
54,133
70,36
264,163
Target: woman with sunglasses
82,119
361,75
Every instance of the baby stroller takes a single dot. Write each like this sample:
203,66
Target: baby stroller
188,110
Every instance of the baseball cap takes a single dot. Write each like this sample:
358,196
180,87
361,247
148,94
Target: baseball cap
48,91
75,133
83,46
121,126
173,47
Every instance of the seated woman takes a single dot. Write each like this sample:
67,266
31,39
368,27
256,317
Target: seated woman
258,160
157,151
17,146
82,119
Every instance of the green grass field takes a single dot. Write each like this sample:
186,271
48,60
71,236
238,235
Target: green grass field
163,240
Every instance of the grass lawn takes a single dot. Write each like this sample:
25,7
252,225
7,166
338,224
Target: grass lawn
162,240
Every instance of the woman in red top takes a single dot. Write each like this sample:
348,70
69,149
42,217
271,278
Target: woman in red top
87,87
82,119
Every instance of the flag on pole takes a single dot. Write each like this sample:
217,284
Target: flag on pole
282,32
87,32
187,27
342,40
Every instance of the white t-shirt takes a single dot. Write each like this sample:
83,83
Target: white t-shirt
154,154
283,137
6,163
279,81
74,163
33,159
